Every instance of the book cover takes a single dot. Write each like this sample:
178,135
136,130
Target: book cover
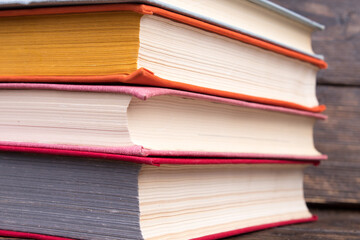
173,76
155,119
106,196
217,14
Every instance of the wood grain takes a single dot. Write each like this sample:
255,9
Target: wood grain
332,225
337,180
339,42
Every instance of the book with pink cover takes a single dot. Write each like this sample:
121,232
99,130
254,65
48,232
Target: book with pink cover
155,119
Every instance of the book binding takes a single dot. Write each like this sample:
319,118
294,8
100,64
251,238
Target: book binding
151,10
171,7
144,93
7,233
156,161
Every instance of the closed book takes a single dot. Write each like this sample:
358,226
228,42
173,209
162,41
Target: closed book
148,121
257,18
111,197
147,45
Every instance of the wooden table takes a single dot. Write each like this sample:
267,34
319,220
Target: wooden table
333,224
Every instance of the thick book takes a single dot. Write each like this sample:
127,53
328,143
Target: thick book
147,45
111,197
257,18
148,121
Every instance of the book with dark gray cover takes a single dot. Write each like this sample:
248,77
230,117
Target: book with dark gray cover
79,198
63,195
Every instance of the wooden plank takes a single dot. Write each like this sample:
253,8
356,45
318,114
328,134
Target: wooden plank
332,225
339,42
337,180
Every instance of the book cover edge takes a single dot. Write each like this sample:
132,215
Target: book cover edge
7,233
140,157
145,77
147,9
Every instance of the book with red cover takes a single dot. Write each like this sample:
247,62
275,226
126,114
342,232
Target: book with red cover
63,194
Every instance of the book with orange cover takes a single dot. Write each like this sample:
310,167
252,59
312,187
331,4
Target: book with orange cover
259,19
63,195
147,45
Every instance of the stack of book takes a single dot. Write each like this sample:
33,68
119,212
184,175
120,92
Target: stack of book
155,120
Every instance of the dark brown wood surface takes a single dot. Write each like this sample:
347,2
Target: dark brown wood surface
332,225
337,180
339,42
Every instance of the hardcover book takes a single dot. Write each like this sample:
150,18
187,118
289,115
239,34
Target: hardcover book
257,18
111,197
147,121
147,45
